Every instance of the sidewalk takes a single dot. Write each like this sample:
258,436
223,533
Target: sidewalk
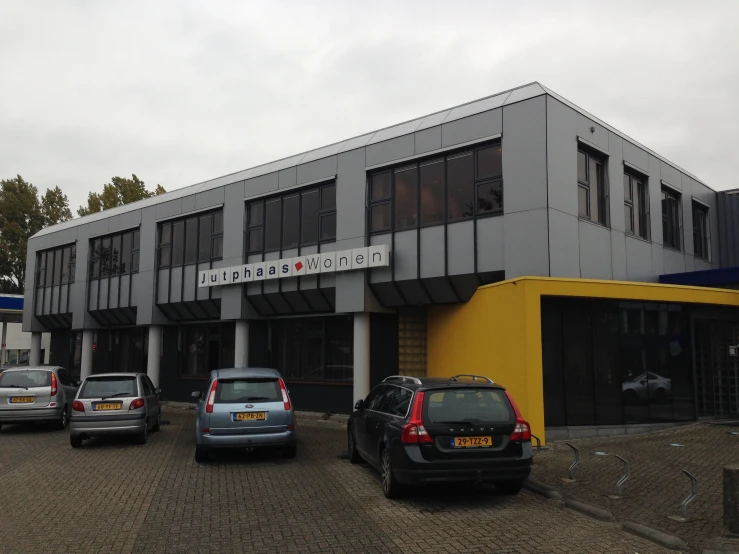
657,485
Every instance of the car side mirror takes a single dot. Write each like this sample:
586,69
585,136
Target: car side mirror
359,405
196,394
157,391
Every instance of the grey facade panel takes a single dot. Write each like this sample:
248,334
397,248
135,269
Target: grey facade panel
671,176
261,185
287,177
113,292
406,255
616,183
64,294
524,93
382,274
144,286
525,155
460,244
390,150
354,143
289,284
655,199
618,255
396,131
162,295
674,261
234,210
78,303
125,291
639,265
319,169
432,251
350,195
471,128
658,262
477,107
527,244
175,284
350,285
189,283
563,236
433,120
490,244
202,293
167,209
147,255
633,154
188,204
325,152
104,294
209,198
232,296
428,140
595,251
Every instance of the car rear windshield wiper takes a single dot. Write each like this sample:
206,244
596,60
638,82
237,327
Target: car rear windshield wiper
257,398
462,422
15,386
117,394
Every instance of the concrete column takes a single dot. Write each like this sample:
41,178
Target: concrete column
86,359
241,345
155,349
361,356
35,356
2,343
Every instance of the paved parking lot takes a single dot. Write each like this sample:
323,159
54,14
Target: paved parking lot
115,496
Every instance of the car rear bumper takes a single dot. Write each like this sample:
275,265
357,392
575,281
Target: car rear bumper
481,475
254,440
104,425
22,415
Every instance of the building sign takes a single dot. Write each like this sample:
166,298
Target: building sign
311,264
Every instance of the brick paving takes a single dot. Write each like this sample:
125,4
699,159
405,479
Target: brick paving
657,486
116,496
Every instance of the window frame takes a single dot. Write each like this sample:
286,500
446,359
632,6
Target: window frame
643,180
668,193
604,202
444,158
700,208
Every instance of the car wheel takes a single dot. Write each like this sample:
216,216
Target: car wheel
290,451
158,424
509,487
144,435
61,423
201,454
75,441
351,446
390,487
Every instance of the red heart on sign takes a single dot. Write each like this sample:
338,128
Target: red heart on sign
299,266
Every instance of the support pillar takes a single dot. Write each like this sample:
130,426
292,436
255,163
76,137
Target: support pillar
35,355
361,356
86,359
2,344
154,354
241,345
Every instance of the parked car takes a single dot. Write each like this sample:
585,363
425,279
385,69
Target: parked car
645,387
244,408
38,393
424,430
115,404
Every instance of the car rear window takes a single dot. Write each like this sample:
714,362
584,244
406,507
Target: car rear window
231,391
101,387
30,378
455,405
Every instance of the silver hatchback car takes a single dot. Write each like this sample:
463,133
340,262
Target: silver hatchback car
244,408
115,403
38,393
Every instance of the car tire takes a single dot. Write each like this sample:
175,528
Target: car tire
390,486
290,451
509,487
143,436
201,454
351,446
75,441
61,423
158,424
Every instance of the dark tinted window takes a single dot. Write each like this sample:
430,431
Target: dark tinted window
65,265
105,257
57,267
290,221
218,223
582,167
101,387
671,235
254,217
255,240
490,197
191,241
401,402
233,391
178,242
30,378
700,230
469,404
204,242
460,176
376,398
165,237
49,267
272,225
490,161
328,226
380,217
406,197
328,198
125,264
115,255
217,251
95,260
432,192
135,253
380,187
309,217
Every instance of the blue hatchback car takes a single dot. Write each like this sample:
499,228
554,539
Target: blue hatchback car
244,408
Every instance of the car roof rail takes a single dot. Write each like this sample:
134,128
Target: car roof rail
403,379
473,377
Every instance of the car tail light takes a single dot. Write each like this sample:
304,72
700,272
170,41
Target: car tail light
414,432
522,430
136,404
285,397
205,430
78,406
211,397
54,387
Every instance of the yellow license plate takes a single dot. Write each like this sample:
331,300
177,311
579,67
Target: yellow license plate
21,399
250,416
472,442
104,407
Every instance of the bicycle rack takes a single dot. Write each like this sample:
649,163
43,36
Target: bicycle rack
692,496
571,469
620,483
538,445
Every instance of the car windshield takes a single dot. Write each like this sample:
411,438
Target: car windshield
25,379
473,405
232,391
103,387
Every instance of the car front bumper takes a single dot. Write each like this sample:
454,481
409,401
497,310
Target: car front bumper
27,415
90,426
255,440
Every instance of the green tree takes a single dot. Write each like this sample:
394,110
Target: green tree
55,207
118,192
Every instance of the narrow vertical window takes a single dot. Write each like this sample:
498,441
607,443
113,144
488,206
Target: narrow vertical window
406,197
592,187
700,231
460,183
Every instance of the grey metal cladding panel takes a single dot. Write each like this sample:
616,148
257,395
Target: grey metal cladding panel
471,128
233,221
658,261
381,274
618,255
432,251
261,185
595,251
188,203
175,284
326,151
562,157
47,303
428,139
524,93
689,263
113,223
634,154
125,301
318,169
209,198
639,266
564,237
356,142
655,199
54,307
525,155
169,209
389,150
395,131
350,291
99,227
490,244
687,205
162,296
674,261
92,302
232,298
287,177
671,175
433,120
63,299
406,255
202,293
701,265
615,168
526,244
148,243
351,184
103,294
78,303
189,283
113,292
460,247
477,107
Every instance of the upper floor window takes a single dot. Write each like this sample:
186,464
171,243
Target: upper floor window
445,189
592,189
700,231
113,255
636,205
671,219
56,266
191,240
296,218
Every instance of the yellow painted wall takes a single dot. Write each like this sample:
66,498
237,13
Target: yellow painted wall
498,332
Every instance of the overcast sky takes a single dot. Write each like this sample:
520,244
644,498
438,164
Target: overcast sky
181,92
